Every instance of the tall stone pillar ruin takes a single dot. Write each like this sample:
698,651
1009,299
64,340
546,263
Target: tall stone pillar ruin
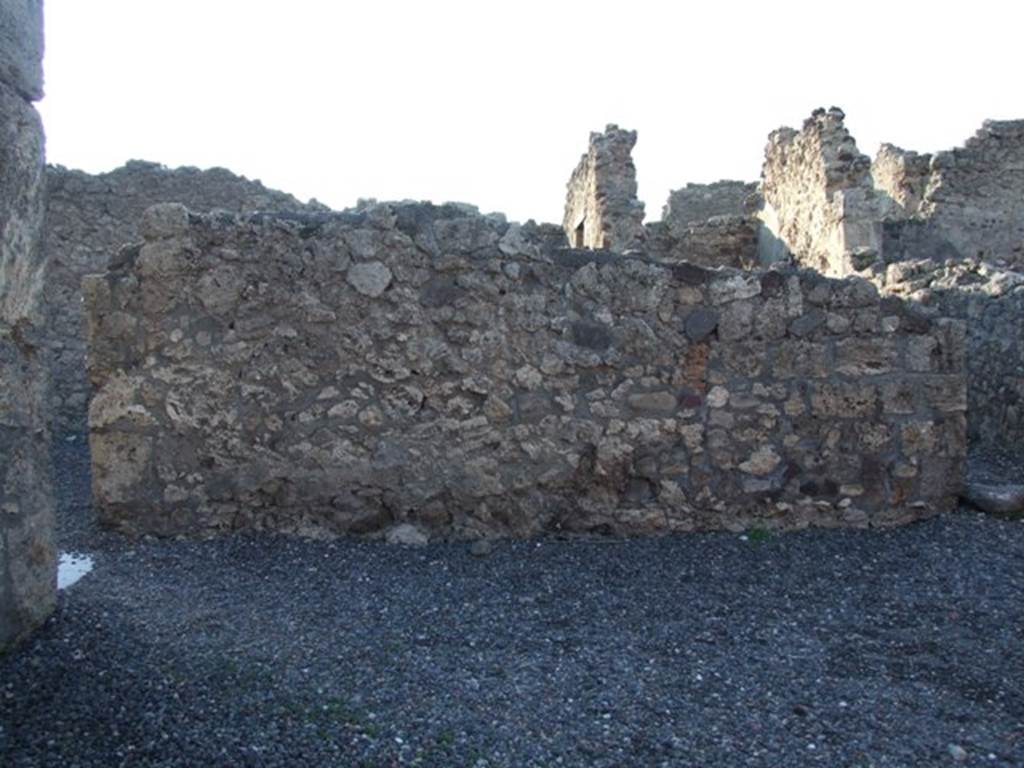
27,552
601,206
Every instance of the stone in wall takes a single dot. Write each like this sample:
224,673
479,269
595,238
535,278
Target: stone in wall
975,194
410,364
601,205
89,217
819,200
27,555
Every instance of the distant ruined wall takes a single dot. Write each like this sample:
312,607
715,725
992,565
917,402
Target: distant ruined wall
601,206
820,203
975,194
28,571
708,224
89,217
990,302
903,176
721,241
696,203
410,363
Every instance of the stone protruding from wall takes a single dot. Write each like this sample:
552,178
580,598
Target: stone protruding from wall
601,206
28,572
89,217
819,201
426,365
975,194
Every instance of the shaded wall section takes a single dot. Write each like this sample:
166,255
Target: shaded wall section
28,573
424,364
88,218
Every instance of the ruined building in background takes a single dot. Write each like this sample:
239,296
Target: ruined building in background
88,218
28,571
601,206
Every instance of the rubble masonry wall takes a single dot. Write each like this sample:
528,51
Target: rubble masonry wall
425,364
88,218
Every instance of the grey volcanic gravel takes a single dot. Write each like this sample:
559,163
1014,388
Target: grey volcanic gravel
843,648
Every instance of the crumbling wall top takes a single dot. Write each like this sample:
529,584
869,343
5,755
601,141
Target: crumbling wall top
601,207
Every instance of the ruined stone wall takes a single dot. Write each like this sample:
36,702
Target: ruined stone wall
409,363
27,553
89,217
903,176
696,203
990,302
601,205
721,241
975,194
819,200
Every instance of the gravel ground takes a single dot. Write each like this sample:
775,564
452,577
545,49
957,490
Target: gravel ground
836,648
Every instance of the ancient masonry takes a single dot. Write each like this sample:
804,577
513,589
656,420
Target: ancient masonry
824,347
88,218
27,555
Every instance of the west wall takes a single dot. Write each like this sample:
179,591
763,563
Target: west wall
89,217
27,552
424,364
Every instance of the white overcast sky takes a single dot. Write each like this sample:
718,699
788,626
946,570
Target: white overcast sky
492,102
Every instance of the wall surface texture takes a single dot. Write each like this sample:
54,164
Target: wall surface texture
990,302
975,194
88,218
601,206
27,554
410,363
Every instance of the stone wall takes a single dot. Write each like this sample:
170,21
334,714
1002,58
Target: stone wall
89,217
696,203
975,194
721,241
903,176
819,200
409,363
601,206
27,554
990,302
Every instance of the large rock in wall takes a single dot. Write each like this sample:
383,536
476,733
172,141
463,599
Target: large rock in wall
819,201
416,364
27,553
601,206
89,217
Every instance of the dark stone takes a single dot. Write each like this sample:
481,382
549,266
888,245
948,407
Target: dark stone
691,274
440,291
772,284
807,323
700,323
591,335
819,488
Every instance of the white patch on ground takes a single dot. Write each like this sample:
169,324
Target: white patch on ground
71,567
